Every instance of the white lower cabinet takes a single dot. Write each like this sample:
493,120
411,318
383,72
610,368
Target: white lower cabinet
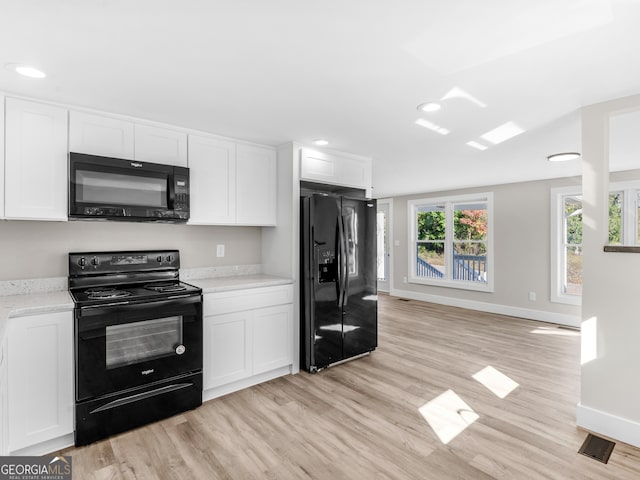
1,156
4,431
40,379
227,341
246,333
272,338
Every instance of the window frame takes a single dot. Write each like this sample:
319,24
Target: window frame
630,191
449,202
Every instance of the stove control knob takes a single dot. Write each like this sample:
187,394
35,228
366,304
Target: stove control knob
95,262
170,258
180,349
82,262
159,259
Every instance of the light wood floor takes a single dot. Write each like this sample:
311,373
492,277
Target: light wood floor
362,419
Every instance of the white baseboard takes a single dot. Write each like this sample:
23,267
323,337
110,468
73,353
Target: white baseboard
611,426
528,313
45,448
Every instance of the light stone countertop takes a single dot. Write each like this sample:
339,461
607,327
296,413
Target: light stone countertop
224,284
12,306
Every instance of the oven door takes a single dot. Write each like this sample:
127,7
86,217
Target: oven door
123,346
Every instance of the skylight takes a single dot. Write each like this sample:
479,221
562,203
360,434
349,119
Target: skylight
502,133
477,145
432,126
457,92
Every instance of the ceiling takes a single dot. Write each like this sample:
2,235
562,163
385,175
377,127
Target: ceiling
350,72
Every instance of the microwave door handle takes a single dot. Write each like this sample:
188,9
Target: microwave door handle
171,192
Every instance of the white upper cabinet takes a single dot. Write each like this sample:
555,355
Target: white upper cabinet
334,169
35,161
256,185
98,135
231,184
1,161
212,172
160,145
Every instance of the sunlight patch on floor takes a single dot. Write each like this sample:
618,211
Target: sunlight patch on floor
499,383
448,415
556,331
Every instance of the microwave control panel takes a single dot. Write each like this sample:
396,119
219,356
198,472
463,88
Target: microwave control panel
181,189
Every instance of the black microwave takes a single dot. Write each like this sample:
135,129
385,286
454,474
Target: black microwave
104,188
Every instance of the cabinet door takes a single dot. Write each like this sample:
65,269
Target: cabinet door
4,414
335,169
212,171
1,160
272,338
40,369
256,185
160,145
36,161
98,135
227,348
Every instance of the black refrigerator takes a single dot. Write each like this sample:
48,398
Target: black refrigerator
339,309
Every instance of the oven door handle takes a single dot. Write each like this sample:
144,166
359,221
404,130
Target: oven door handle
141,396
184,299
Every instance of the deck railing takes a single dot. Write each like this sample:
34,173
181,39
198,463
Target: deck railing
425,269
471,268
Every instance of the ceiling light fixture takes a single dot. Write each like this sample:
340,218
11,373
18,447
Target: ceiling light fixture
563,157
432,126
320,142
25,70
429,107
477,145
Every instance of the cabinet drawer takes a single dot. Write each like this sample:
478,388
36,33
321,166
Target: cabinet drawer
249,299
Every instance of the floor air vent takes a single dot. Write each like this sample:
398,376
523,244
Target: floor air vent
597,448
403,299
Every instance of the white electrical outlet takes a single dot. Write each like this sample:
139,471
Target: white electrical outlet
219,250
532,296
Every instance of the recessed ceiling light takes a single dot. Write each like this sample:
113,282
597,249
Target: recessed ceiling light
429,107
502,133
432,126
563,157
477,145
321,143
26,70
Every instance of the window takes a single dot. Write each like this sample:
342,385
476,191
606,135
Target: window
566,235
450,241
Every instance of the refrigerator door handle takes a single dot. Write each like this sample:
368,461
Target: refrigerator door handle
340,251
346,265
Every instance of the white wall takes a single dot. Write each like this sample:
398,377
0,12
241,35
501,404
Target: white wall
521,254
610,390
281,244
30,249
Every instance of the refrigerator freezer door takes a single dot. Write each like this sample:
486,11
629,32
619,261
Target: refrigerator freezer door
322,323
360,314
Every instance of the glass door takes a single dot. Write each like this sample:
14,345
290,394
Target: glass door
383,251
